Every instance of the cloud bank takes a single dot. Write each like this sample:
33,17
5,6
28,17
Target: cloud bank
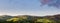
54,3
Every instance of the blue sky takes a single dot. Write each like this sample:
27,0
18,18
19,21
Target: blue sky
26,7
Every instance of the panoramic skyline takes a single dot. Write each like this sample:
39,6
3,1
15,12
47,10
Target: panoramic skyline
26,7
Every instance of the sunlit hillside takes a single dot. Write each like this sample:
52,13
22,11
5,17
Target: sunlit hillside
30,19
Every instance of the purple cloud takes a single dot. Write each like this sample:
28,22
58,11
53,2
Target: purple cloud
54,3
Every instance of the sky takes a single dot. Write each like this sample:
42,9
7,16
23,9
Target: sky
26,7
